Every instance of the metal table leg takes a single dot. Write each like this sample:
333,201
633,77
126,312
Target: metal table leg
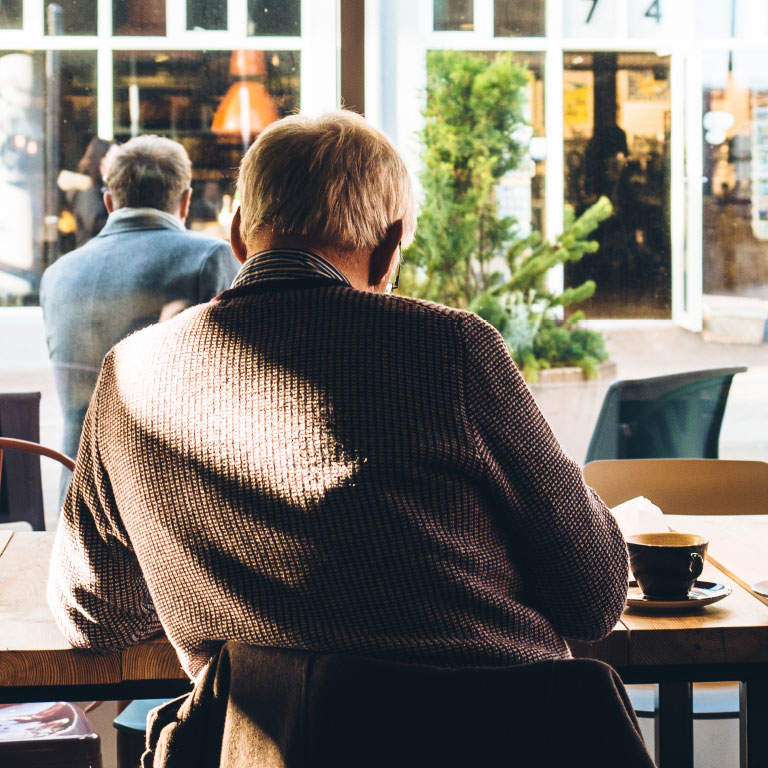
674,725
753,724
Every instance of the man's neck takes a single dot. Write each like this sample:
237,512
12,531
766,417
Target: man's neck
352,264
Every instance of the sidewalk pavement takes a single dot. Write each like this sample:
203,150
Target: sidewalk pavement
639,348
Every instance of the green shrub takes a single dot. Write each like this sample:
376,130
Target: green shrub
471,138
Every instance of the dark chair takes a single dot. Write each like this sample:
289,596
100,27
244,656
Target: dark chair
664,417
21,495
131,727
278,708
18,490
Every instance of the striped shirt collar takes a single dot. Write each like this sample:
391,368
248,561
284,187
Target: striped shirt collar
281,264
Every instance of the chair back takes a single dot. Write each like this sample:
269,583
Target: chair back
676,416
31,449
282,708
684,486
21,494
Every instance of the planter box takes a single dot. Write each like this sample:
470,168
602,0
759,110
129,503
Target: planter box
570,403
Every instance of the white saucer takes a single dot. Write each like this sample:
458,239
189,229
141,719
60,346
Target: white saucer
702,593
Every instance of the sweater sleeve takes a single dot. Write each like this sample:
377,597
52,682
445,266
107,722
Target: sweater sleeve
564,540
96,590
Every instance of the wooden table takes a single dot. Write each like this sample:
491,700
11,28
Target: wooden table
38,664
726,641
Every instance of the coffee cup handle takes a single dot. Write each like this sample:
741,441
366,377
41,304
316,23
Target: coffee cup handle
697,565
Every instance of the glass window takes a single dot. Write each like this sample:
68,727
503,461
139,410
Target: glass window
71,17
138,17
511,18
11,16
735,200
274,17
214,103
29,194
206,14
454,15
715,18
616,130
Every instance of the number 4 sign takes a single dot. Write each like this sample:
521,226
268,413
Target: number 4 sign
655,18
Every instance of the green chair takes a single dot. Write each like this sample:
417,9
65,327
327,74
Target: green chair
664,417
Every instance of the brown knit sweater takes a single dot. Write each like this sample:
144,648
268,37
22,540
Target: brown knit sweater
310,466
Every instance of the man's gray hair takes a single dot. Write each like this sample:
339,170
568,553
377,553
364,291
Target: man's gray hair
334,179
148,172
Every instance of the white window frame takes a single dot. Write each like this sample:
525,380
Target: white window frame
400,114
318,46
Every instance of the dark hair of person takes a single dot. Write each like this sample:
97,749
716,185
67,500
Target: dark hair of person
90,162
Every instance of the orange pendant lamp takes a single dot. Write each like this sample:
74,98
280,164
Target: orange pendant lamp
247,107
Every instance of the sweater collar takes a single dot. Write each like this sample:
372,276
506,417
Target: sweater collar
282,264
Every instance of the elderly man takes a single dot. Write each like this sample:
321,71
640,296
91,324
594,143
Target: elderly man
309,462
144,266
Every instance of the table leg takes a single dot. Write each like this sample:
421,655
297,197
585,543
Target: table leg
674,725
753,724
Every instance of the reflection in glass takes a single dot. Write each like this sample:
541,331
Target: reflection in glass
616,109
274,17
214,103
453,15
511,18
11,16
205,14
735,200
23,180
78,17
138,17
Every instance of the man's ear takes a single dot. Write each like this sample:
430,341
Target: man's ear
236,239
109,203
184,201
384,255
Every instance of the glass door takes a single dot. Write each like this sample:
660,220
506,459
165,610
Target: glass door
617,143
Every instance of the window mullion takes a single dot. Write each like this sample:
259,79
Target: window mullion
319,58
175,18
34,18
104,73
555,169
483,19
237,18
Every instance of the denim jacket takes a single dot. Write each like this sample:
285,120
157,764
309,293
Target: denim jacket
143,267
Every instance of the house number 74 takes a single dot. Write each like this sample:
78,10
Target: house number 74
653,11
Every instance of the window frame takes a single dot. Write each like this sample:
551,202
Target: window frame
397,109
318,45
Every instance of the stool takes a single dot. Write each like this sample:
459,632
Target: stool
51,734
131,726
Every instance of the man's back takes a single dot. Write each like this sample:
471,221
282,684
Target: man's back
324,468
140,269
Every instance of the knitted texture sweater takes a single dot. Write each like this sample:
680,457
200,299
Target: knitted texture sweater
311,466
